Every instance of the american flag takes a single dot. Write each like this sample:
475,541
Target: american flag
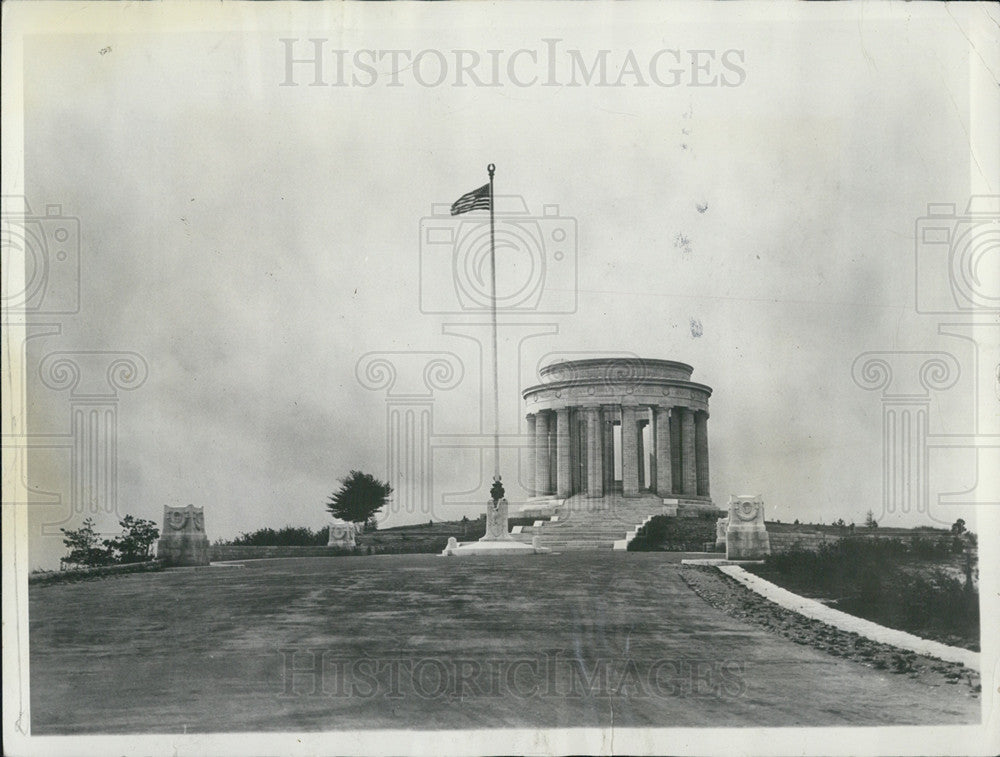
477,199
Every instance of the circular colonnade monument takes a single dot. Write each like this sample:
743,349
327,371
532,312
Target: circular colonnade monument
630,423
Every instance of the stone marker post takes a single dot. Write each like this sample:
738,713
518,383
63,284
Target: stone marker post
746,536
183,540
341,534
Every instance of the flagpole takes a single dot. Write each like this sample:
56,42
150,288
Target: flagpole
493,313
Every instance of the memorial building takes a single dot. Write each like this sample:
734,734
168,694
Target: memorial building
619,425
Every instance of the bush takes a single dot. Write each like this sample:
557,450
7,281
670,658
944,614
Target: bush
85,548
135,542
131,546
664,533
865,578
289,536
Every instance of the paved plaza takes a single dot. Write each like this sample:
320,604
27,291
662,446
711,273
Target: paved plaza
570,640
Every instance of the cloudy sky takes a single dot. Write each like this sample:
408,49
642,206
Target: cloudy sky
252,241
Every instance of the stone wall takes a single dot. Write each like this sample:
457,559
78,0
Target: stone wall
221,552
79,574
785,537
790,540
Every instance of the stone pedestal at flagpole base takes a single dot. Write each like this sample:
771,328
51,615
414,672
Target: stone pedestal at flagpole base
746,536
497,540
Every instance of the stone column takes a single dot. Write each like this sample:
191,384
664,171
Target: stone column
664,476
651,452
608,414
701,451
630,453
675,448
564,486
542,471
595,453
529,482
689,480
574,449
640,447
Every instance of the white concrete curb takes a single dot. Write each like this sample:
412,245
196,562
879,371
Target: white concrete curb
818,611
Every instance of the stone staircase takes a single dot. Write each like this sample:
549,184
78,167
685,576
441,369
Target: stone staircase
581,522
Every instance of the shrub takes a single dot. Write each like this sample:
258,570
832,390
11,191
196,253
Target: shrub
135,542
865,577
289,536
131,546
663,532
85,548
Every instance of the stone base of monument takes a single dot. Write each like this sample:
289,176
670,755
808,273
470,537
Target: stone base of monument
497,540
747,544
715,562
506,548
182,550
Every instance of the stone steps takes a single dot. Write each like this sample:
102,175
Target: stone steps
593,523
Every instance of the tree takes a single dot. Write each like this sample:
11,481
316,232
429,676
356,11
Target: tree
360,496
958,527
83,547
135,541
870,521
